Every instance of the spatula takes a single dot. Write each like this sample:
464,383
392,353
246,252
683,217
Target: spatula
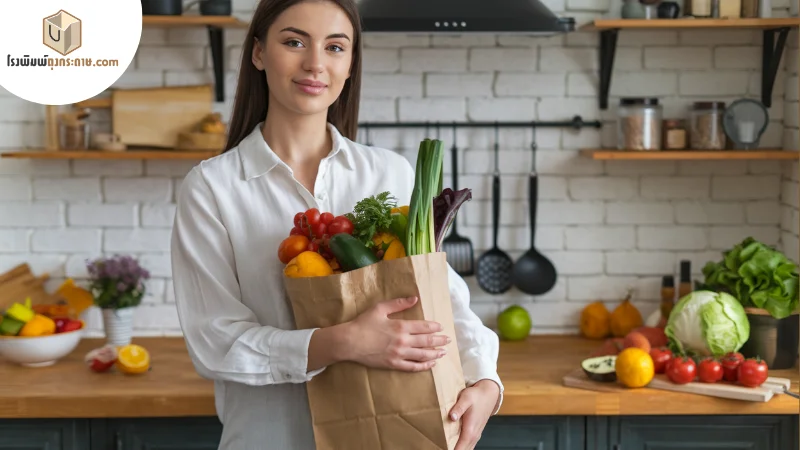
458,249
494,266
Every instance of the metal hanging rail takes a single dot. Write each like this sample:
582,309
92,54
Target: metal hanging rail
577,123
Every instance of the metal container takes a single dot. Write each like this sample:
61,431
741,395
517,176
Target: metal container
773,340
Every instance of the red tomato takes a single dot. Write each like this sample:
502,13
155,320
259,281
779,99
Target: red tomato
709,370
730,365
318,230
312,246
312,216
326,218
340,224
752,372
681,370
291,247
661,357
297,218
296,232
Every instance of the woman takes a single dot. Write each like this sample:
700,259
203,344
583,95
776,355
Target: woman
291,147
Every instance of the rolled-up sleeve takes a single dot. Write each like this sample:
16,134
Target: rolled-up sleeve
223,336
478,345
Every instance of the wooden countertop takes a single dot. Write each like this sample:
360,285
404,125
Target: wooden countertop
531,371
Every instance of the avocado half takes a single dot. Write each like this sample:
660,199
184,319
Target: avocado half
600,368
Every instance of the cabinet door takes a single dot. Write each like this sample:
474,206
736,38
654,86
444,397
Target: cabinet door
533,433
44,434
201,433
703,433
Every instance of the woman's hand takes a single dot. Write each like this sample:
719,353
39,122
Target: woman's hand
375,340
474,407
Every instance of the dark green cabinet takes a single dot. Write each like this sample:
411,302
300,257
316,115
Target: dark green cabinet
762,432
533,433
44,434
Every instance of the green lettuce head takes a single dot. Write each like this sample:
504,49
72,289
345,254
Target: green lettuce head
707,323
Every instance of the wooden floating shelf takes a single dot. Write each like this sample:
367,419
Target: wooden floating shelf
677,155
101,154
632,24
193,21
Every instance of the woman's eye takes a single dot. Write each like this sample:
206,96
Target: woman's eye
336,48
294,43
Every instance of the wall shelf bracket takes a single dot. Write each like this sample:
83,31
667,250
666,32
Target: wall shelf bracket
216,38
771,61
608,49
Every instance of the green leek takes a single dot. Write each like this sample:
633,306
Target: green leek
420,235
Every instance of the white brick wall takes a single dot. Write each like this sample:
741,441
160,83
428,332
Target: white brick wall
607,226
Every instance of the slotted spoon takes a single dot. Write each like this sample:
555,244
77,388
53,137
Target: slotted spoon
494,266
458,249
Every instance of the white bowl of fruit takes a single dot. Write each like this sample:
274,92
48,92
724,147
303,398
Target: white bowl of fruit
38,336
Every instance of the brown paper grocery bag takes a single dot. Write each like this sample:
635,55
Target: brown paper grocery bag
359,408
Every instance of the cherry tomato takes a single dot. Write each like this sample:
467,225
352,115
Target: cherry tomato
312,216
340,224
681,370
312,246
730,365
709,370
318,230
752,372
297,218
296,232
291,247
326,218
661,356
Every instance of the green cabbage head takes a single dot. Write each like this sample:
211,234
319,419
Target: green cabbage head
707,323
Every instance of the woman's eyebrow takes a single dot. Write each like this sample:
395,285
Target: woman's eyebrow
304,33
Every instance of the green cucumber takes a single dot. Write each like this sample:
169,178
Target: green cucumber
351,253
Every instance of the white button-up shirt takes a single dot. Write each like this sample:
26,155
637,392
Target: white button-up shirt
233,211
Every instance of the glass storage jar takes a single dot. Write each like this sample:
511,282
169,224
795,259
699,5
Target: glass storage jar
705,126
674,134
639,124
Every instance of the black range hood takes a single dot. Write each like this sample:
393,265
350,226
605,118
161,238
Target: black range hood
461,16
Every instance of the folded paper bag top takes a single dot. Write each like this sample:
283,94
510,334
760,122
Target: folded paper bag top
355,407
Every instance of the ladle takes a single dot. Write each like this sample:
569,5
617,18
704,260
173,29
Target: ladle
533,273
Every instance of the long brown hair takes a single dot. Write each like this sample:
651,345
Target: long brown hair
252,99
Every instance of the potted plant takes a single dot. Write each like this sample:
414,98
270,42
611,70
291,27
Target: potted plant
765,282
117,287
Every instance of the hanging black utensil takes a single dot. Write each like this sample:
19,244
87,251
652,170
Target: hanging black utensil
533,273
494,266
458,249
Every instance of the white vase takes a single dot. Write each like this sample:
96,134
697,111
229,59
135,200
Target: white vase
118,325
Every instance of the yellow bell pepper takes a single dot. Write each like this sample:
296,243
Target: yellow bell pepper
383,238
401,209
21,312
308,264
40,325
395,250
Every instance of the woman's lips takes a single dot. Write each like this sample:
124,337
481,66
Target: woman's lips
309,87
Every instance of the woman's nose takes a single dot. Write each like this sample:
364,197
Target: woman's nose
313,61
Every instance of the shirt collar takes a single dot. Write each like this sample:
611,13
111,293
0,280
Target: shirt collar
258,158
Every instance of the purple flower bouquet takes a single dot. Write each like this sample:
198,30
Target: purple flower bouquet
117,282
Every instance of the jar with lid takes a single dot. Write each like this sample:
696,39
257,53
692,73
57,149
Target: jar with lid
705,130
674,134
639,124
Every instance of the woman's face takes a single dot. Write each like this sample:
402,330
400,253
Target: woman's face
306,56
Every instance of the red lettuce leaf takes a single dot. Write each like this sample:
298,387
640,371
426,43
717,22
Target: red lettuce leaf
445,209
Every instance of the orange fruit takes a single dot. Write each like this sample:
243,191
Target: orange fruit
133,359
634,367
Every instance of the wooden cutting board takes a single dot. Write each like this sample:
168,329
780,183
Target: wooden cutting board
20,283
155,117
763,393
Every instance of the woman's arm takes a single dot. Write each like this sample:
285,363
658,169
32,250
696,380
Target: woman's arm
478,345
223,336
